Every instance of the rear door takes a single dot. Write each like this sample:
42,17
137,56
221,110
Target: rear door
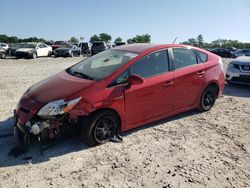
155,96
189,77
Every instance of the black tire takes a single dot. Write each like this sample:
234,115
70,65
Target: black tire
208,98
49,54
93,129
3,55
34,56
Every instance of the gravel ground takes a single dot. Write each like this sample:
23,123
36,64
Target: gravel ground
193,149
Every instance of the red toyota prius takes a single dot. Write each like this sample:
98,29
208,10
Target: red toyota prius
119,89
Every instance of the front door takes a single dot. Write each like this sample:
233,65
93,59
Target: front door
154,97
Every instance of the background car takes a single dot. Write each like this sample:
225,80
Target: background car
67,50
2,53
58,44
241,52
238,70
222,52
231,49
33,50
85,47
98,47
120,43
13,47
4,46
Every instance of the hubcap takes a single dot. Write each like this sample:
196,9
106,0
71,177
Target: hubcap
105,129
208,99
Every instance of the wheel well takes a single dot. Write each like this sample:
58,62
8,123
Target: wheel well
216,86
107,109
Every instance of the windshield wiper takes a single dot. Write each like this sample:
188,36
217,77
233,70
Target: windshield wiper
79,74
82,75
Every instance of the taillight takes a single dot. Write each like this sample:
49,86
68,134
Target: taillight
221,63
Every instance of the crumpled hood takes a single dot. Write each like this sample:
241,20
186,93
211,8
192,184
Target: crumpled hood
59,86
24,49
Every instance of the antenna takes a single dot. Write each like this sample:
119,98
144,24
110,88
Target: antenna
175,40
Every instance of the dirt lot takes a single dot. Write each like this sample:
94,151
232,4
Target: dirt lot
192,149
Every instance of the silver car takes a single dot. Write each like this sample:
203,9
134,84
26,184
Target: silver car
238,70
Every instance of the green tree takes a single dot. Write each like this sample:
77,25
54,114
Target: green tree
146,38
200,40
118,39
191,41
105,37
94,38
74,40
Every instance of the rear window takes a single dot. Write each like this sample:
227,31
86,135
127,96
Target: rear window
98,44
59,42
184,57
201,56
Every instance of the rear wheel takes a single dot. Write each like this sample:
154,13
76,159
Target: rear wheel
3,55
100,127
208,98
49,53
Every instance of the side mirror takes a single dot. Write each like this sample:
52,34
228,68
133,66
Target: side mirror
135,80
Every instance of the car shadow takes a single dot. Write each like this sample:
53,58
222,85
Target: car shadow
39,153
6,127
64,146
237,90
163,121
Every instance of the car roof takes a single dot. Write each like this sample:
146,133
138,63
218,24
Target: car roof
143,47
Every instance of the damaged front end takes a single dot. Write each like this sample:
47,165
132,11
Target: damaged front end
52,120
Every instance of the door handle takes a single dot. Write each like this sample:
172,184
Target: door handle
200,73
168,83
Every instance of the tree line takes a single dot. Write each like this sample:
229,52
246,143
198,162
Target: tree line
223,43
144,38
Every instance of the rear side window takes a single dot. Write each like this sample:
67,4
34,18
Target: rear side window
150,65
183,57
202,56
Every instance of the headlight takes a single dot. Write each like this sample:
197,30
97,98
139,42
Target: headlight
57,107
30,52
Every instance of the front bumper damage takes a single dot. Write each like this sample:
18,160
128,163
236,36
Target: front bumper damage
33,129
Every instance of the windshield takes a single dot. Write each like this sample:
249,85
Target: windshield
29,46
101,65
59,42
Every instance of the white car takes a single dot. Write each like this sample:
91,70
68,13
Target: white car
33,50
4,46
238,70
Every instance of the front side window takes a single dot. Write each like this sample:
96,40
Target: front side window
101,65
183,57
150,65
121,79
